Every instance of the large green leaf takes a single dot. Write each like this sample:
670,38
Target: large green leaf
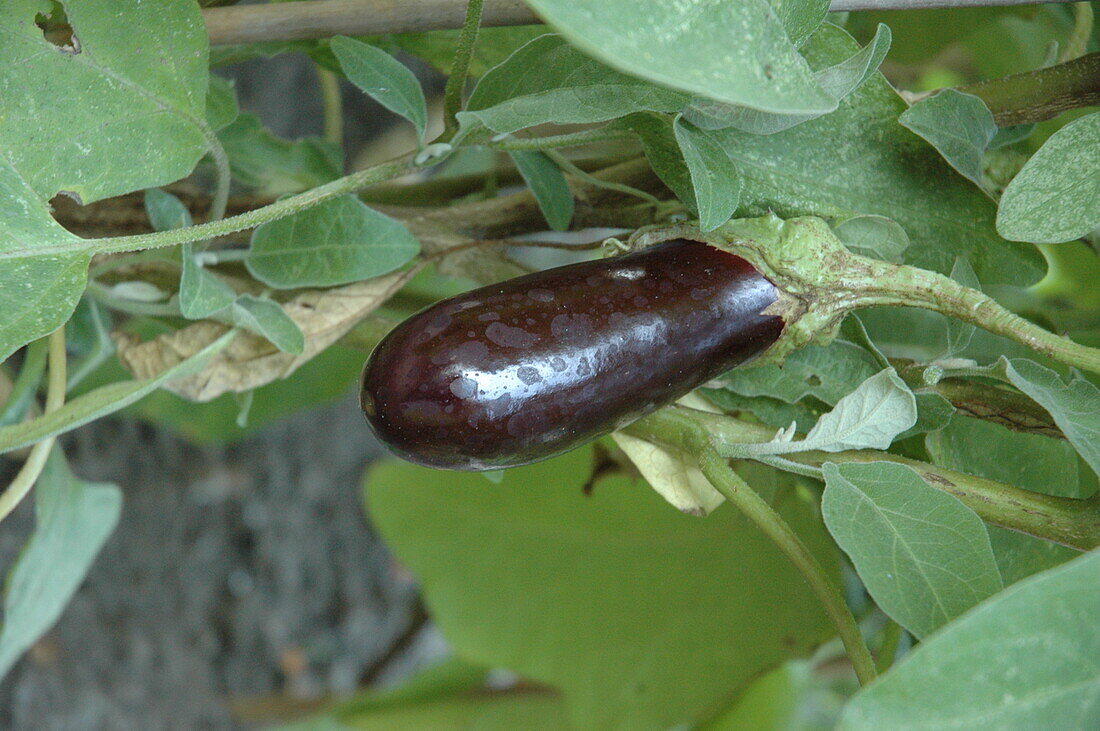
1025,659
110,114
860,160
74,519
923,555
643,616
738,53
119,112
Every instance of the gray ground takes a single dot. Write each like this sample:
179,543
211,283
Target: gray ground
235,574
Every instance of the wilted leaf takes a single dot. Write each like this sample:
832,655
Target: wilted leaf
251,360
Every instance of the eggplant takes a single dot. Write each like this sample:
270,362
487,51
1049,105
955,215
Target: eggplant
532,367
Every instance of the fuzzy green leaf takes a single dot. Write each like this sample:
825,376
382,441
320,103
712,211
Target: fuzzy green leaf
959,125
714,177
74,519
1024,659
644,617
336,242
690,46
385,79
924,557
1056,196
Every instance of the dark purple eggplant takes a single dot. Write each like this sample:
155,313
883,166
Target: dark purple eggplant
529,368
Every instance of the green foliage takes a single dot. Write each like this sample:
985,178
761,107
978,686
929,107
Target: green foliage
73,520
924,557
1056,197
687,46
386,80
1021,660
547,182
333,243
613,608
959,125
642,616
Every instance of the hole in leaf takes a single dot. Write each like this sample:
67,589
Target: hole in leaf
56,29
813,380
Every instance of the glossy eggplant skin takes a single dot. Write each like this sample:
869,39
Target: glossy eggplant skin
529,368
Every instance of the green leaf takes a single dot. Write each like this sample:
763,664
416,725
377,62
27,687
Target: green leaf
714,177
269,319
569,88
1025,659
273,166
875,236
1056,197
870,417
385,79
221,103
547,182
201,292
102,401
1075,406
119,113
644,617
838,81
437,47
959,333
165,211
663,151
800,17
688,46
959,125
336,242
74,519
39,291
858,160
826,372
1033,462
924,557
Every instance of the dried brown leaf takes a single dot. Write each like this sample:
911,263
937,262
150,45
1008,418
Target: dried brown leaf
250,360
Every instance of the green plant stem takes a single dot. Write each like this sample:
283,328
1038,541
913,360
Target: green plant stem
26,384
1071,522
332,106
220,199
913,287
567,165
460,67
571,139
663,427
36,461
888,650
1042,94
249,219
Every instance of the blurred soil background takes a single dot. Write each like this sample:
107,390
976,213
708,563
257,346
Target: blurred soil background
243,580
